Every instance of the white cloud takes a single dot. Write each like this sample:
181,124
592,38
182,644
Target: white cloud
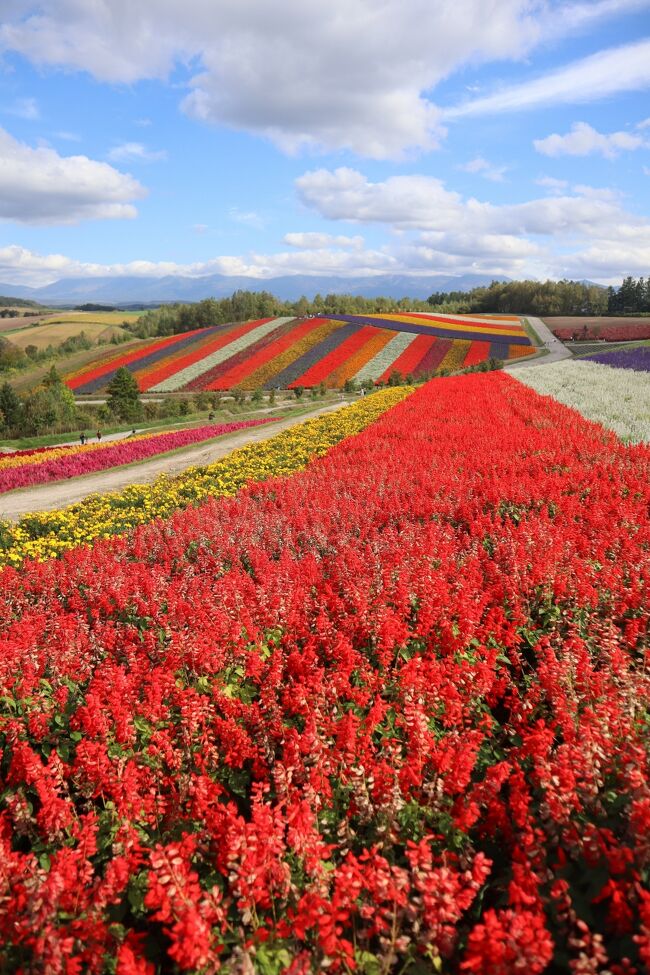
22,266
348,74
200,228
583,140
68,136
423,203
485,169
40,186
314,241
135,152
552,184
625,68
249,218
446,230
26,108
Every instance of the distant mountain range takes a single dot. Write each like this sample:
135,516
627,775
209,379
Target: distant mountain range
149,290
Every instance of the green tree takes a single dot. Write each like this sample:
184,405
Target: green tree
124,396
50,408
10,407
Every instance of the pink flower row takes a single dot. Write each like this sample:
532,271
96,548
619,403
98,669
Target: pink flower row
114,455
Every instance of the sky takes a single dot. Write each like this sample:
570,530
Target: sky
355,137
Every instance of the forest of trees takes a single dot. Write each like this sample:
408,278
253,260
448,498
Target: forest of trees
526,297
633,296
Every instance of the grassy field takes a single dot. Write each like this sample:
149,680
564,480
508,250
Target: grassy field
11,324
98,317
55,332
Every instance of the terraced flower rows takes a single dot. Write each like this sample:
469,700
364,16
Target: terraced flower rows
288,352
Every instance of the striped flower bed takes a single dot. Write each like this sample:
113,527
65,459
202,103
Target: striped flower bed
244,370
382,363
288,352
98,377
205,373
269,374
99,457
241,360
408,323
158,373
335,349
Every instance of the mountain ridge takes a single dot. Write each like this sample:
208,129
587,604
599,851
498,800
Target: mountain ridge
172,288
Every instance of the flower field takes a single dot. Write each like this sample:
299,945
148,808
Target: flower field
49,533
289,352
637,358
29,468
619,399
618,330
387,714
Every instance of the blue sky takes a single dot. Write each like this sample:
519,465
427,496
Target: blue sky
505,137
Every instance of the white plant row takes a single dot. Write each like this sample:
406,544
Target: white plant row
386,356
619,399
179,379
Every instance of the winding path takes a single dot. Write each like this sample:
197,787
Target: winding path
556,349
15,504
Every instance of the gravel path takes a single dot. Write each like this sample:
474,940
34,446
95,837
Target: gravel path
15,504
556,350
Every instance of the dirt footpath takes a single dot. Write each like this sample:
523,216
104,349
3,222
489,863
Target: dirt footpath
15,504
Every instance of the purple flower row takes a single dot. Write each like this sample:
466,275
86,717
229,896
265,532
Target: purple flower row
637,358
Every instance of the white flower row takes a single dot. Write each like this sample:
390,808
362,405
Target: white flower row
180,379
619,399
386,356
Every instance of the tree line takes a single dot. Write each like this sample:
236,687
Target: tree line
244,305
544,298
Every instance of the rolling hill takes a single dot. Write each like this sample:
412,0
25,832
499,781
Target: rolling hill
287,352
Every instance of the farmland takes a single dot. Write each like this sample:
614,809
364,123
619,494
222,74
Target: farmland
611,328
288,352
385,709
55,332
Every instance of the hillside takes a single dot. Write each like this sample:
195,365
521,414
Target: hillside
288,352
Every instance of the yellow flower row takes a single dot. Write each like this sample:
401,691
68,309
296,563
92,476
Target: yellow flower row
47,534
455,358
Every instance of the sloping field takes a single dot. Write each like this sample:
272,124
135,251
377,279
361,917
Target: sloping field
9,324
99,317
55,332
288,352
